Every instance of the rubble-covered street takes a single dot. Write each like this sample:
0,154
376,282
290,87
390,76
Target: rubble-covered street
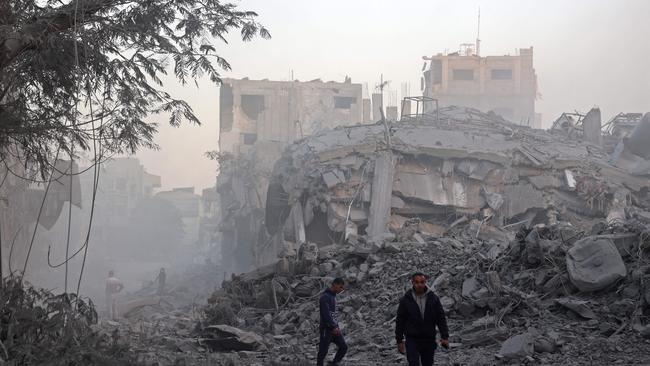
340,183
538,252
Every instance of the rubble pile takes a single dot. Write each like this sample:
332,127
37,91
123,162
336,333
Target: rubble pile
536,243
159,329
551,295
363,180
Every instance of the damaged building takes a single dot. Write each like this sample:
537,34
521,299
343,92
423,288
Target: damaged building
258,119
283,111
506,85
459,165
536,242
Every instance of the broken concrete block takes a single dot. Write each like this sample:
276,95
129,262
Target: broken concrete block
545,181
494,200
465,308
626,243
579,307
309,252
418,238
326,267
391,248
487,232
470,286
516,347
533,250
521,198
493,282
447,302
442,281
591,127
638,139
428,228
594,263
543,345
227,338
333,178
645,331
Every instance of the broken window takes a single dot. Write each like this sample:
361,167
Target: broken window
463,74
501,74
249,138
344,102
252,105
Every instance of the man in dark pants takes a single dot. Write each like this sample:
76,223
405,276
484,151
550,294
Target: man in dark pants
418,314
329,327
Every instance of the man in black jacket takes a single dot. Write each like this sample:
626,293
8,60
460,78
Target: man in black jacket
329,326
418,314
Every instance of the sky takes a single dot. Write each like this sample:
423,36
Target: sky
586,53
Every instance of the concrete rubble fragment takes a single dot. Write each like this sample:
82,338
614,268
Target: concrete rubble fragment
517,347
579,307
594,263
227,338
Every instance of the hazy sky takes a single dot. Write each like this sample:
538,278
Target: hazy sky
586,53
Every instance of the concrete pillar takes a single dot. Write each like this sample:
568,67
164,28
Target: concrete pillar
382,190
591,126
298,224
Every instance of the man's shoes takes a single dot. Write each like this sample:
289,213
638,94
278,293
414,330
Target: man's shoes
332,363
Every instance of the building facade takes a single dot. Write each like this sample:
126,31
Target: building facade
258,119
283,111
505,85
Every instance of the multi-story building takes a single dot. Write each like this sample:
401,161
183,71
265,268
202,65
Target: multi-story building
123,184
258,119
506,85
188,204
283,111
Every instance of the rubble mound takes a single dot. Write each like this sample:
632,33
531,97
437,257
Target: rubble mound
529,237
502,307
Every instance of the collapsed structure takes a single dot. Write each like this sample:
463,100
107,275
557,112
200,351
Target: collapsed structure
258,119
536,243
458,164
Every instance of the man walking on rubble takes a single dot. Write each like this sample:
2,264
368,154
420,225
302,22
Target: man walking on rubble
418,314
329,328
113,287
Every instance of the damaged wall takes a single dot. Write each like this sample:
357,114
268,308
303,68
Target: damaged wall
283,111
258,119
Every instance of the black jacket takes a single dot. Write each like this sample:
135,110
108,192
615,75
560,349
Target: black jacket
327,310
409,320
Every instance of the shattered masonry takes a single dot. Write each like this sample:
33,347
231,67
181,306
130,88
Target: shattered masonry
466,164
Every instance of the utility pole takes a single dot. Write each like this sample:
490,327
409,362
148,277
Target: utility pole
381,86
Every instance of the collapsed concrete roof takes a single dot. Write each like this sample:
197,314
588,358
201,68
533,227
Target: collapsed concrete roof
460,161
